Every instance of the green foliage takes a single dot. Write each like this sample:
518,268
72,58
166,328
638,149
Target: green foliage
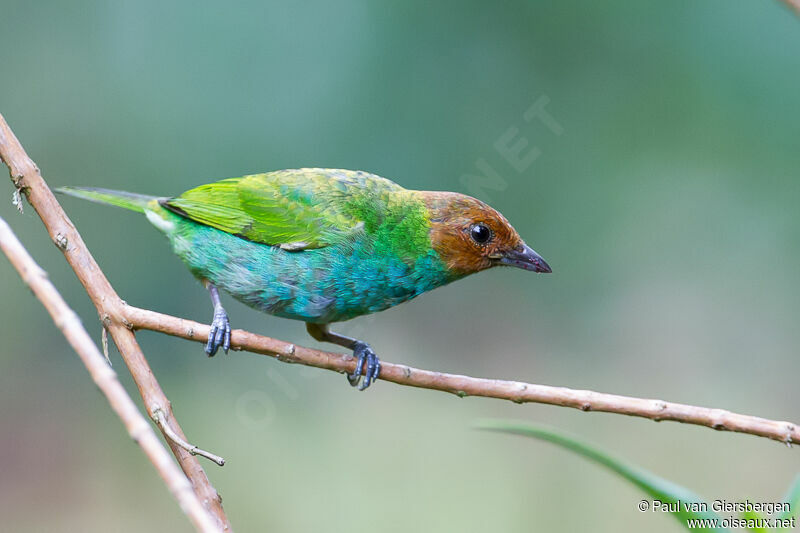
656,487
793,498
752,515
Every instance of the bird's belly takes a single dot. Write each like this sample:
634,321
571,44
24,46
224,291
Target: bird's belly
329,284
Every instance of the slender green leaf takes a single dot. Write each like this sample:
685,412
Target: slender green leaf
686,504
756,518
793,498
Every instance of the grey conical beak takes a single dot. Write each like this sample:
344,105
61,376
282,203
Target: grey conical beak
525,258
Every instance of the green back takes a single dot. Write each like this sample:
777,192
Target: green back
310,208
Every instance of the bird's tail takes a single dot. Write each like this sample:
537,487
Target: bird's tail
126,200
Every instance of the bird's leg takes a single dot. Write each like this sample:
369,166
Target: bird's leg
220,334
361,351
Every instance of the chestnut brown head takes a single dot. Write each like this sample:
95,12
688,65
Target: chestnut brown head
470,236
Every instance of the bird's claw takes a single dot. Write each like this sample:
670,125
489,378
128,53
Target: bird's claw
220,334
364,355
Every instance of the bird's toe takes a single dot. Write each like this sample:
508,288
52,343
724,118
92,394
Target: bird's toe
219,336
364,356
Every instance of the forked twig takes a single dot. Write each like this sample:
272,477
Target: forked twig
27,179
105,378
160,418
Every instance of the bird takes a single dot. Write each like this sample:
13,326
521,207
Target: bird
324,246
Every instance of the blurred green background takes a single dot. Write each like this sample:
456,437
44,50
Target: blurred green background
667,206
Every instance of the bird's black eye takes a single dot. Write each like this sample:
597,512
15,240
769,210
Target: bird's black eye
480,233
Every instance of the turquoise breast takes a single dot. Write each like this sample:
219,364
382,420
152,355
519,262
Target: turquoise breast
323,285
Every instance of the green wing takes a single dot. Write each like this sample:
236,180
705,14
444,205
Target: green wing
293,209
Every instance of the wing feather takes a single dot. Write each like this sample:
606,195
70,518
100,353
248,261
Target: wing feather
294,209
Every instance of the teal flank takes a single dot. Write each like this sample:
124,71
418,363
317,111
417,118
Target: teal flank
321,285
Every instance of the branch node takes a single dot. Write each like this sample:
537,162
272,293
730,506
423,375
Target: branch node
61,241
718,419
114,312
160,418
104,339
287,356
790,429
16,200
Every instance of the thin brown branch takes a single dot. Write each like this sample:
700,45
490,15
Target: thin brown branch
106,379
161,419
515,391
26,177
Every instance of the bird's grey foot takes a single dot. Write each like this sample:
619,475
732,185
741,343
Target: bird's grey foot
220,334
361,351
364,355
